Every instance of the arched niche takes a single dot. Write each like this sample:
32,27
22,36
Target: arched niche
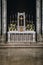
4,18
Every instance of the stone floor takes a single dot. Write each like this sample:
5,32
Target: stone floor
21,53
11,60
22,44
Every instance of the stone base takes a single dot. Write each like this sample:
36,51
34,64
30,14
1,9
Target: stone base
39,38
0,38
3,38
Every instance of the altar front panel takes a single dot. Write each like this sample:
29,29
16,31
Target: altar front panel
27,36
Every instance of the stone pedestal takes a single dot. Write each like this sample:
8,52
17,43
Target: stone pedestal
38,19
4,19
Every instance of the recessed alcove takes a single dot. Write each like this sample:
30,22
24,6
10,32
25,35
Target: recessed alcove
21,16
27,6
11,8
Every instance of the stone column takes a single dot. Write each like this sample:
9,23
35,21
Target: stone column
0,17
42,17
4,19
38,19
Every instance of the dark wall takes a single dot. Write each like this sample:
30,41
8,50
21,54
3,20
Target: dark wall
27,6
21,5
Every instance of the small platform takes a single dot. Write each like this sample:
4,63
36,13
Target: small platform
22,45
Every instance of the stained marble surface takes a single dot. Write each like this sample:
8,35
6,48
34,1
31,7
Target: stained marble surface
21,56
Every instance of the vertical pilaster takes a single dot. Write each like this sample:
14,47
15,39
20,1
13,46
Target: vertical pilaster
38,19
0,20
42,16
0,17
4,19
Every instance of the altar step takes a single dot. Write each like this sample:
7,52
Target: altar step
21,45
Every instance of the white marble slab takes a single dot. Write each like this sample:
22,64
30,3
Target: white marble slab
24,36
21,32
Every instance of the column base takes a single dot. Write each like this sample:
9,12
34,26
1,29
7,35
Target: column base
0,38
3,38
39,38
